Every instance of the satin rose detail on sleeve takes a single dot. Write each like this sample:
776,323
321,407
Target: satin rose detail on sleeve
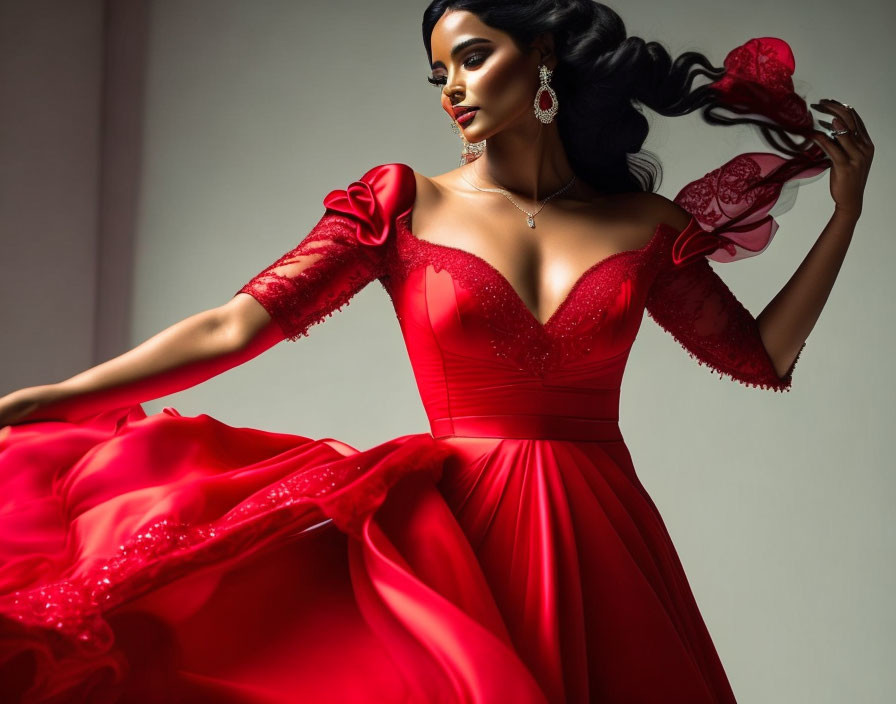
374,201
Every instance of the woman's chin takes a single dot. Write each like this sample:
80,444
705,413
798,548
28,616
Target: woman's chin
475,132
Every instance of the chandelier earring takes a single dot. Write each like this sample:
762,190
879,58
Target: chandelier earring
471,150
545,99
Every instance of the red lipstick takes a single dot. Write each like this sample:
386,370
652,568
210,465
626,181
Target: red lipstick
459,110
466,117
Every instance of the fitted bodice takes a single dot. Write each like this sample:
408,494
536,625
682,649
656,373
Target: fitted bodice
481,358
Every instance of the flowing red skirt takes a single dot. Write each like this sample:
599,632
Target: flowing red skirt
170,558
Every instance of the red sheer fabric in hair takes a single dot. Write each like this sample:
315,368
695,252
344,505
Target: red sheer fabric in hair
732,203
759,80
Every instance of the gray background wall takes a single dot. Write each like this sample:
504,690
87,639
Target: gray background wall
155,155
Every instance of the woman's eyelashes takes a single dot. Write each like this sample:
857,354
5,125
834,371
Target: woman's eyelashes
470,62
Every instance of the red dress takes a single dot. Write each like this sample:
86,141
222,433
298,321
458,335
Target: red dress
510,555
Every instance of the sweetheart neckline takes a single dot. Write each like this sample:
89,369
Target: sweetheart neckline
404,221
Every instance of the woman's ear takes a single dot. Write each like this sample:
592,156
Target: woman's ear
544,45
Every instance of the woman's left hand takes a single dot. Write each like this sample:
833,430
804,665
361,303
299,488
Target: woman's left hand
851,154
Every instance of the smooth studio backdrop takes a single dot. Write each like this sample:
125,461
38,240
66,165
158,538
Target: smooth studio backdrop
155,155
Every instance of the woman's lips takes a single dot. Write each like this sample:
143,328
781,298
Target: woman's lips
467,117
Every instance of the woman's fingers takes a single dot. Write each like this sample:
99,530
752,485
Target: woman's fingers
849,143
851,119
865,138
850,153
829,145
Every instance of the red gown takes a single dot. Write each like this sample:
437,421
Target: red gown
509,555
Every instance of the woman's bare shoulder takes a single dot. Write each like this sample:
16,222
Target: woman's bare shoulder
429,191
660,209
449,180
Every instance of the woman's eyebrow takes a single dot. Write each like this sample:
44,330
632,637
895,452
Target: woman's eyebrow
460,47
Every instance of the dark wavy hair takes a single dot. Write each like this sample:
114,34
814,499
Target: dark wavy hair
601,78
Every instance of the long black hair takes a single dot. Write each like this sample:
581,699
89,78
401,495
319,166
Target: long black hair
601,78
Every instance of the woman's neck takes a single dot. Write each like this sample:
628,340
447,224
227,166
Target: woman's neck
529,161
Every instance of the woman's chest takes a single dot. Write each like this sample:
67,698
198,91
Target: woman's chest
456,300
541,264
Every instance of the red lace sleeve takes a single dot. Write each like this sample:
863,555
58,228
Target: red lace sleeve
731,209
341,254
731,220
694,304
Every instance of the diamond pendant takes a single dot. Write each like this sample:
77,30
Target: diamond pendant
531,221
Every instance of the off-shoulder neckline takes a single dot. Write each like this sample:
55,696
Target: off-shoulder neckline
404,221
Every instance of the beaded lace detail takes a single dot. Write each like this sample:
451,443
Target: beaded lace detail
571,330
697,308
691,302
316,278
345,490
74,606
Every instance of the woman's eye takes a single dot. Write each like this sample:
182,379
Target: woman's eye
478,58
475,59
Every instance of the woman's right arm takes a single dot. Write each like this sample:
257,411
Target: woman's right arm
179,357
341,254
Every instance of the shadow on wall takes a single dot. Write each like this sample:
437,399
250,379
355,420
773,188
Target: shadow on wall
73,79
124,78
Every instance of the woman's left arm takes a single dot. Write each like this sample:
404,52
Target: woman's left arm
787,320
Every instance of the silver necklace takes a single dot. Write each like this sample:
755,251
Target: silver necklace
530,220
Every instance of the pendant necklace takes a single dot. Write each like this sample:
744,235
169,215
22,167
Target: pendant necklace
530,219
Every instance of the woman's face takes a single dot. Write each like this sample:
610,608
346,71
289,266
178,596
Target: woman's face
491,74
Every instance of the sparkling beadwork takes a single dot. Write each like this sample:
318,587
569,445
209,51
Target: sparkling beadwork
697,308
572,331
545,104
518,336
164,550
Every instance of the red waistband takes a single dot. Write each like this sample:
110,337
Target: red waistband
527,426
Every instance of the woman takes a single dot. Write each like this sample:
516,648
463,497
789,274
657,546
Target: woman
512,553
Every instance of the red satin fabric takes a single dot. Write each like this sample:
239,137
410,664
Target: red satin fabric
493,569
512,554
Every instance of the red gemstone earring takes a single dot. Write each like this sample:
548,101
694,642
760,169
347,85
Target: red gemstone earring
545,99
